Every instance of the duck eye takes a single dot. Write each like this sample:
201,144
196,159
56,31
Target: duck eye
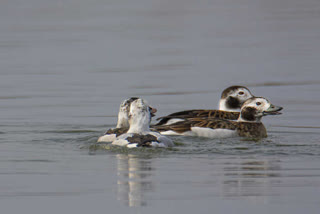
258,103
241,93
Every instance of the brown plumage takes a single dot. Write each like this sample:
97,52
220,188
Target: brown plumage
244,129
199,113
230,103
247,125
247,129
142,140
117,131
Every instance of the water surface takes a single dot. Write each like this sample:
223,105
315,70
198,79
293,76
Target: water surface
65,67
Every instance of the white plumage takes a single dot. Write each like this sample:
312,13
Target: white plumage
139,134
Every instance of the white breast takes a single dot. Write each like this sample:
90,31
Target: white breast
213,133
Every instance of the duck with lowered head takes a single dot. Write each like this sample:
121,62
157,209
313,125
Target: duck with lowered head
139,134
123,123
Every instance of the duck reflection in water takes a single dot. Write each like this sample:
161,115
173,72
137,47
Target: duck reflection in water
134,179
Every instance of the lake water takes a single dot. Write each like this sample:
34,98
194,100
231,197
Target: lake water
65,66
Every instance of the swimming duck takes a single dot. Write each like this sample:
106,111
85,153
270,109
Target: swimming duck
122,124
139,134
248,124
229,106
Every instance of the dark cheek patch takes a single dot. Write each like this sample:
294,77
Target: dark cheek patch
248,114
233,103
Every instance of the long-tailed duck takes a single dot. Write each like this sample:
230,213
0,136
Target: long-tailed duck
122,124
139,134
229,106
248,124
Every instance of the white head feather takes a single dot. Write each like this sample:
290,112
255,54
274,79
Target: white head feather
139,116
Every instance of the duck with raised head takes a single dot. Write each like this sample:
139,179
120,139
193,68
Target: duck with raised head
248,124
229,107
123,123
139,134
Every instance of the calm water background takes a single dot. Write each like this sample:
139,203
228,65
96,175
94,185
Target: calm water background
66,65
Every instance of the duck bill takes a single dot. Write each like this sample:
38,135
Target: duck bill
273,110
152,111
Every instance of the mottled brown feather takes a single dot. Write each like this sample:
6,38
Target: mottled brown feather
244,129
200,113
247,129
142,140
117,131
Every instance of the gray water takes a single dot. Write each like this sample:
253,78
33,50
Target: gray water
66,65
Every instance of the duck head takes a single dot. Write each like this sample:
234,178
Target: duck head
124,110
256,107
233,97
140,116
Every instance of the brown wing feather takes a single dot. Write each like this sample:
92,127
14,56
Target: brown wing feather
244,129
199,113
117,131
217,114
142,140
186,125
178,127
213,123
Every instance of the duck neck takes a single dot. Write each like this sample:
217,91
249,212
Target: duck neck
249,114
256,120
139,123
122,120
